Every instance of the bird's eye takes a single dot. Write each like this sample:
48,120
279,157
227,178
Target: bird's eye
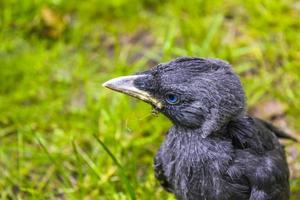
172,98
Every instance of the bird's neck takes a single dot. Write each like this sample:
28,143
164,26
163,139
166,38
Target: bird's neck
189,141
196,133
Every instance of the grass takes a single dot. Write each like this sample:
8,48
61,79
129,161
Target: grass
63,136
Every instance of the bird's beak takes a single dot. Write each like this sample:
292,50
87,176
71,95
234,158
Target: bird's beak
126,85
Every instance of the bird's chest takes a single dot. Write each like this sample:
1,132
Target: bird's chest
195,167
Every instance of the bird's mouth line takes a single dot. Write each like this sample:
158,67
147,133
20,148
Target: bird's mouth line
144,96
125,85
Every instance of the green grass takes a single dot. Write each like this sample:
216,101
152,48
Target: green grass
55,54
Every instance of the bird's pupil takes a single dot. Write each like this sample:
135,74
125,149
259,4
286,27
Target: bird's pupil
172,98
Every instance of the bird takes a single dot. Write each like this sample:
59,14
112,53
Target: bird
214,149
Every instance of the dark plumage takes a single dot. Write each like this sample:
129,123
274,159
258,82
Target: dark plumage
214,150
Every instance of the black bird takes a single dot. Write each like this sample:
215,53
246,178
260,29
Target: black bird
214,150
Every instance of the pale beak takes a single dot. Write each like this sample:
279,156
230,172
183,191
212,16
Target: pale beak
125,84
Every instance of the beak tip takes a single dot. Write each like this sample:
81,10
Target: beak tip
106,84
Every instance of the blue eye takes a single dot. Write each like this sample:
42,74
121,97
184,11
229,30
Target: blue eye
172,98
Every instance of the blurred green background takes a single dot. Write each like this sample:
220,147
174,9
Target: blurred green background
55,54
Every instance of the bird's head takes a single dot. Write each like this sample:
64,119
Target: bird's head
194,93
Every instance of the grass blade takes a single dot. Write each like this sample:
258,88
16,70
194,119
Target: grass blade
65,180
128,186
86,159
